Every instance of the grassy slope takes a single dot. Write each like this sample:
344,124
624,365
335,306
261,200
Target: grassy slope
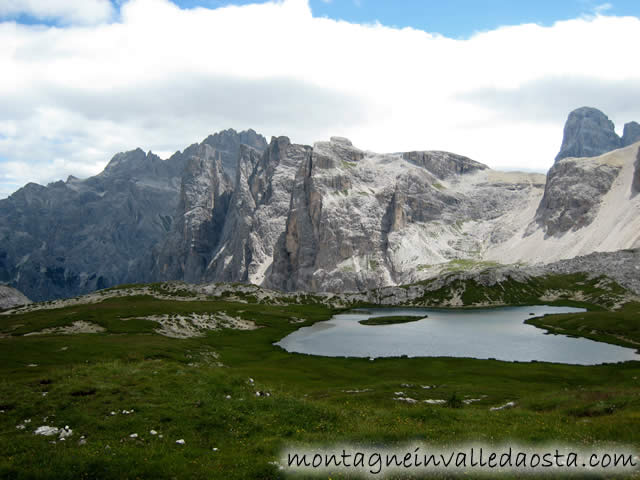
177,388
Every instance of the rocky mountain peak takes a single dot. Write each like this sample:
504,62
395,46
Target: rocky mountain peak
631,134
227,144
588,133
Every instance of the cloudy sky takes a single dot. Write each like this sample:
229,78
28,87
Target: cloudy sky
84,79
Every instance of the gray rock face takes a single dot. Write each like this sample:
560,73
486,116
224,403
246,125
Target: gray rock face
360,220
588,133
227,145
207,185
635,185
73,237
257,213
572,196
204,197
631,134
443,164
10,298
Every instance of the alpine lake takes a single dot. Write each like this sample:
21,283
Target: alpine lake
496,333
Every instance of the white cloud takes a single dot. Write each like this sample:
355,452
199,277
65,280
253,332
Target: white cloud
65,11
162,78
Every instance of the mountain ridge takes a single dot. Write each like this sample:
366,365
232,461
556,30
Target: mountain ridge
327,217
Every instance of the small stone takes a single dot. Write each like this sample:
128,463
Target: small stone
153,432
133,435
180,442
215,449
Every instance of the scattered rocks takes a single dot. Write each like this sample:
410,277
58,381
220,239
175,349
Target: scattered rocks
406,399
74,329
503,407
196,324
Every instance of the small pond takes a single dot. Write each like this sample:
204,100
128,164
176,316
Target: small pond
498,333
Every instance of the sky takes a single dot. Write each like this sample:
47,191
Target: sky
493,80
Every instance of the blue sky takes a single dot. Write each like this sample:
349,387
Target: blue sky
104,76
452,18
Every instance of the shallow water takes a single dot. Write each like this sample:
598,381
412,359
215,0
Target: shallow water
498,333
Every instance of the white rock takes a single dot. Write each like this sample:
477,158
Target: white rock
46,431
503,407
133,435
153,432
181,441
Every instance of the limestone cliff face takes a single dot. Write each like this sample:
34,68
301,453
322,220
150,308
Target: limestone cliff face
257,213
362,220
204,198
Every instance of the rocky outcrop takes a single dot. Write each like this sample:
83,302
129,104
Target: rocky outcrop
588,133
631,134
572,196
443,164
258,211
10,298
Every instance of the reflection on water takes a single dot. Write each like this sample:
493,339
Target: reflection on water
488,333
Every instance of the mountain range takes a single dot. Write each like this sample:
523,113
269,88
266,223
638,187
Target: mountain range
329,217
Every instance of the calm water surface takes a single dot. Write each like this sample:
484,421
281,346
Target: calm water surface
488,333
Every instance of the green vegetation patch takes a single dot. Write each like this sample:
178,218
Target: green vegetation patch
391,320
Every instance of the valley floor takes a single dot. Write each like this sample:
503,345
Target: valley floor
114,387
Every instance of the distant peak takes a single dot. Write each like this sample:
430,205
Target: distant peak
631,134
588,133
